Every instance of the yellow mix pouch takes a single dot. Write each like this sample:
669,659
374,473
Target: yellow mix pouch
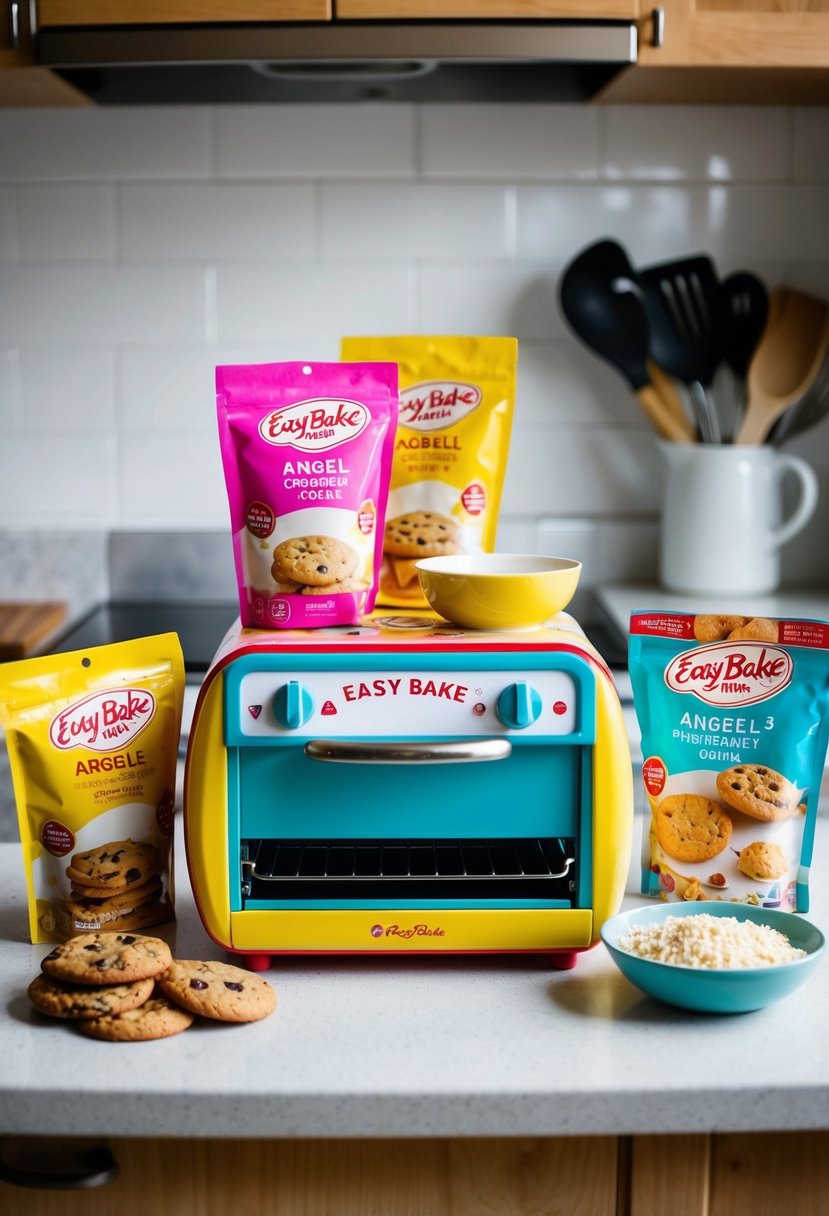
457,399
93,742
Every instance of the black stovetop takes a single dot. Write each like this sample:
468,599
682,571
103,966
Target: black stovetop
201,628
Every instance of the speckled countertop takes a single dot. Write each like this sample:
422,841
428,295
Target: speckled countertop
429,1046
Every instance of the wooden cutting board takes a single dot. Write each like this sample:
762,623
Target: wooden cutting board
23,626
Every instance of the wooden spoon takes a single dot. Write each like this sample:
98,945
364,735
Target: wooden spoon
788,357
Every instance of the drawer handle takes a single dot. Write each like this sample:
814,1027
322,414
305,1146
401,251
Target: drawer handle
456,752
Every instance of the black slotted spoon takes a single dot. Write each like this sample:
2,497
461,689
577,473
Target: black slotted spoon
684,309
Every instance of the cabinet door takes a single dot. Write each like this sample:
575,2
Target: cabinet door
157,12
530,10
21,83
742,33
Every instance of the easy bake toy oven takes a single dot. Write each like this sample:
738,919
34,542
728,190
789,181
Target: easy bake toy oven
405,786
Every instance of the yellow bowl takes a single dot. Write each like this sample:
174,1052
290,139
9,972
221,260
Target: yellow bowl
498,590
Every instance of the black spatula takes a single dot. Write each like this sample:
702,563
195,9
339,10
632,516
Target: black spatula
602,302
684,310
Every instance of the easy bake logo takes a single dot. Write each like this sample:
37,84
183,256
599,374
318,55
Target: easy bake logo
316,424
725,674
437,403
105,721
407,931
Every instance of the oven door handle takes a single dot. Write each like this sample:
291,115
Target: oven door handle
456,752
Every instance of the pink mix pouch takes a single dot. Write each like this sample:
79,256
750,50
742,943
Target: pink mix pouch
306,450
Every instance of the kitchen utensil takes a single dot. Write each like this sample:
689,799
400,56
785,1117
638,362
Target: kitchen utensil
683,308
811,409
498,590
406,786
701,555
670,392
716,990
600,300
745,310
787,360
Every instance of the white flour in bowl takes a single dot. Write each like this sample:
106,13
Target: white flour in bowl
715,942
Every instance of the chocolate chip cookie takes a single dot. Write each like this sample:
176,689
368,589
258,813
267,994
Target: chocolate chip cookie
59,999
118,864
420,534
157,1018
218,990
95,958
315,561
758,791
692,828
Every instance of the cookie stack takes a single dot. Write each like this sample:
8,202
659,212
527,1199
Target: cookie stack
118,884
126,987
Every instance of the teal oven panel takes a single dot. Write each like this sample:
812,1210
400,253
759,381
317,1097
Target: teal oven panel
536,791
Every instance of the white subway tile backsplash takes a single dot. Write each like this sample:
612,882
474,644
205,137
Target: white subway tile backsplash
139,247
9,246
11,404
416,220
510,142
315,141
172,479
217,222
576,539
104,144
67,223
69,388
696,143
747,223
519,300
811,144
312,302
117,304
568,385
583,472
167,388
58,480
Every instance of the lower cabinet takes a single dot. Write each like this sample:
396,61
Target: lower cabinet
694,1175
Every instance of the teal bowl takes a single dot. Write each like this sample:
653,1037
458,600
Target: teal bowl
724,990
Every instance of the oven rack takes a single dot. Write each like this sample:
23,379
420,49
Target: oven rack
439,863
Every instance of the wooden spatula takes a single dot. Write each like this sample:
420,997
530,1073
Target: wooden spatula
788,357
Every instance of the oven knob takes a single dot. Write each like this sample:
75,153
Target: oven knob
519,705
292,705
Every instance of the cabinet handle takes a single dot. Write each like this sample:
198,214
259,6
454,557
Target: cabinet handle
43,1164
657,27
14,25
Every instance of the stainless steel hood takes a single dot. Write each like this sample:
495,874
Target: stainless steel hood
341,61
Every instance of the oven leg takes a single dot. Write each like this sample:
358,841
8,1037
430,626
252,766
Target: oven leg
257,962
563,960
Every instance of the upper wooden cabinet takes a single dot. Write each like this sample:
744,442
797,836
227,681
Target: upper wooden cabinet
529,10
742,33
730,52
156,12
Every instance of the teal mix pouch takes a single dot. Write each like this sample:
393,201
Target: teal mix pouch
734,715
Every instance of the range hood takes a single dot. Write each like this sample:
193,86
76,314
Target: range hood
341,61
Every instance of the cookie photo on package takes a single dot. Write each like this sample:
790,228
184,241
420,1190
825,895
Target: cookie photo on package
734,716
93,744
